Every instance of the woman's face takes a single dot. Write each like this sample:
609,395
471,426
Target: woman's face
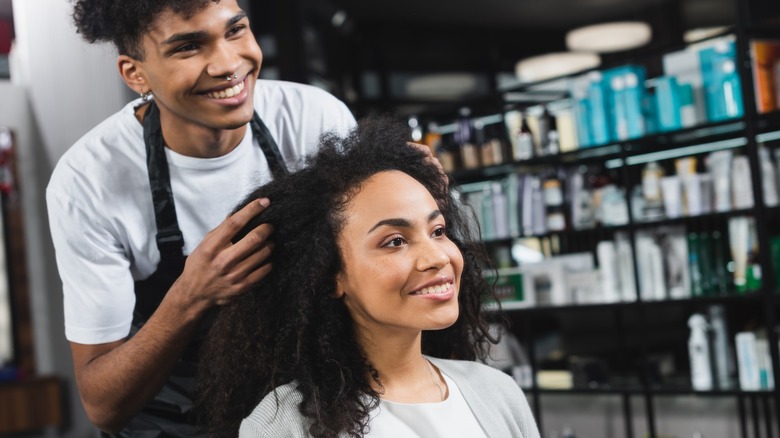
401,271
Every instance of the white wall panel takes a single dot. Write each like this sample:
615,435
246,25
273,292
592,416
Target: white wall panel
71,85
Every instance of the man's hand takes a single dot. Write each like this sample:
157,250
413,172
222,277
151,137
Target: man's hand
431,159
219,270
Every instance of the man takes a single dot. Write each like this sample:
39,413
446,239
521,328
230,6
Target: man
137,206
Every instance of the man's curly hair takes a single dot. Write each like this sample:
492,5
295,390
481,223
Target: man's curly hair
124,22
290,328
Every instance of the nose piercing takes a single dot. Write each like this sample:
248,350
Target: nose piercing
229,77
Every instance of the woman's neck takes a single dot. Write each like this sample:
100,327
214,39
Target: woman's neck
405,376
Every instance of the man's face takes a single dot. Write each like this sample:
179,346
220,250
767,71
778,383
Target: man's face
190,64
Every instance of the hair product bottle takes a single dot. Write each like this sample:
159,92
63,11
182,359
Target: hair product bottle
699,353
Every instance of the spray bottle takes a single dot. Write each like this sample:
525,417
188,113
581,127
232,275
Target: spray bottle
699,352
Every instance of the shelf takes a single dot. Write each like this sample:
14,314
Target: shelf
600,230
653,391
713,393
566,233
30,405
690,141
520,307
709,217
590,391
768,126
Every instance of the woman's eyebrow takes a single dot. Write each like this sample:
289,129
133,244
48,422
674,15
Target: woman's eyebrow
395,222
400,222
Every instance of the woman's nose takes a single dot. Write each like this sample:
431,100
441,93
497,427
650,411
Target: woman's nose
432,256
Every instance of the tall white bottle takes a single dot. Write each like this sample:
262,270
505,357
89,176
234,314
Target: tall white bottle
699,353
721,349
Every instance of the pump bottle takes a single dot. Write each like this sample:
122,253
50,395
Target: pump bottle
699,352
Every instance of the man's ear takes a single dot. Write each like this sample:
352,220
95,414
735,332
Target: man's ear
133,74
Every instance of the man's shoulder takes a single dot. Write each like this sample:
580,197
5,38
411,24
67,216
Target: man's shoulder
116,131
271,87
105,151
273,95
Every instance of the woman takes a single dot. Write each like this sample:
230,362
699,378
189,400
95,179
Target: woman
374,292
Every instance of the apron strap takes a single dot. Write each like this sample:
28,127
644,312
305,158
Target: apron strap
267,144
170,240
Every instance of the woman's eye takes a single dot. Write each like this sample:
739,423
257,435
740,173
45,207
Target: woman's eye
439,232
394,243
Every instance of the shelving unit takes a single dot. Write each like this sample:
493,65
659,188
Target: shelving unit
632,334
30,402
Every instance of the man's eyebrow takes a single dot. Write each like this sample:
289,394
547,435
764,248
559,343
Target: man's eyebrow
399,222
184,37
238,17
199,35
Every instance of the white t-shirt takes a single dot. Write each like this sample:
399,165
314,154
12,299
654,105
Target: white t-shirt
447,419
100,204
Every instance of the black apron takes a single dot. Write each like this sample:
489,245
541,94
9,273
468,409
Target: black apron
168,414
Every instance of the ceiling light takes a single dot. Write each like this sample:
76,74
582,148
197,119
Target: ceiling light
444,85
702,33
552,65
609,37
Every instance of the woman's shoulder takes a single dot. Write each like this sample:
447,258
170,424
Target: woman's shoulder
494,397
469,369
475,377
276,415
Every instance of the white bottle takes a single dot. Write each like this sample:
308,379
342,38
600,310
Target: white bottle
699,353
721,348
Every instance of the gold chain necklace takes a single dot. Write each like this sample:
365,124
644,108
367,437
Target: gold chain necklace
434,379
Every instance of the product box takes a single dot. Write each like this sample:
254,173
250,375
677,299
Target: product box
554,281
599,104
625,99
765,56
747,361
474,196
566,123
582,118
578,90
722,85
685,67
668,99
495,206
663,256
6,33
509,286
511,187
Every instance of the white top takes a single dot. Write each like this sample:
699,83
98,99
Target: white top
493,398
100,204
447,419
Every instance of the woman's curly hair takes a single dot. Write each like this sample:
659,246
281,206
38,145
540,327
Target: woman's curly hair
290,328
124,22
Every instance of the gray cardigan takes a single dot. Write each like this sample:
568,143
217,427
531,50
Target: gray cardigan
497,402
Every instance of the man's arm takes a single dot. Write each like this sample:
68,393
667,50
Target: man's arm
117,379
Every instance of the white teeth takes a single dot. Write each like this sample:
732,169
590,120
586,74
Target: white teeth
228,92
438,289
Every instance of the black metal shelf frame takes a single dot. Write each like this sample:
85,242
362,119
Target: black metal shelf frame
744,133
